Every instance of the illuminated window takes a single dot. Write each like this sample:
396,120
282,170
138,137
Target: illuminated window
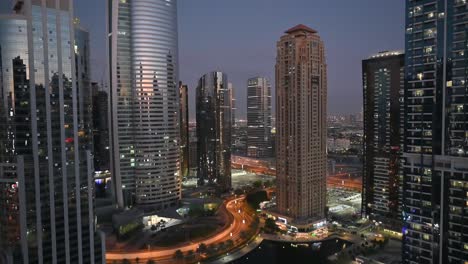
428,33
428,133
418,93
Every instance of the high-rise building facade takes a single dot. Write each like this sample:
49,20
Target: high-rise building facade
144,102
46,165
101,128
435,189
259,143
214,131
233,104
184,130
301,125
383,82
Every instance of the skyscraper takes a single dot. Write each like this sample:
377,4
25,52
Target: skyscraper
259,143
46,166
184,130
233,104
436,132
144,102
101,128
214,131
383,77
301,125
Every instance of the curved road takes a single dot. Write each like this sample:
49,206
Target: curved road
240,223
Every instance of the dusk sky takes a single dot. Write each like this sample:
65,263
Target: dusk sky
239,38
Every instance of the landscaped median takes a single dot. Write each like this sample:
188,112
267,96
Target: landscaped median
239,229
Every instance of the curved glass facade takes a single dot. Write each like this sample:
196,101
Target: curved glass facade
145,102
214,130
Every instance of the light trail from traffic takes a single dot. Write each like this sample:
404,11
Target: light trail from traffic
241,222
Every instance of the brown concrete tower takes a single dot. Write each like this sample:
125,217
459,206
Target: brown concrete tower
301,99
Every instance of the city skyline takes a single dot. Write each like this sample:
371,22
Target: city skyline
242,59
364,158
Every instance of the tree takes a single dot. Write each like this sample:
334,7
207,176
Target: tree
126,261
137,260
229,243
178,255
212,249
270,225
190,255
221,245
238,192
243,234
150,261
257,184
202,248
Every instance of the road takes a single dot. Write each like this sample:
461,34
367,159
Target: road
252,165
241,222
342,180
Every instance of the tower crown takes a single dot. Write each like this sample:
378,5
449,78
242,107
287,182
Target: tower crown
301,27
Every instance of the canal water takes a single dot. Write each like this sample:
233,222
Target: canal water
279,252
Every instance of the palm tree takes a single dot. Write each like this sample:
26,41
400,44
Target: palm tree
178,255
202,248
229,243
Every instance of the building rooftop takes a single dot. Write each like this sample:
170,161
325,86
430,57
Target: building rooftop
301,27
386,53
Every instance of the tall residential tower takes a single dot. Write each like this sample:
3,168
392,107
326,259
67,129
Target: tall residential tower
259,143
301,125
144,102
46,165
382,77
435,190
214,131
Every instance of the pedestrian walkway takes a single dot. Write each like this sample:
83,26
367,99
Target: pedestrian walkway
239,253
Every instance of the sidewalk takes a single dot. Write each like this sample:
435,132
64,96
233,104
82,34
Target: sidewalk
239,253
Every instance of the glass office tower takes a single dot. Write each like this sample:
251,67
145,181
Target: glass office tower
435,191
144,102
259,143
46,166
214,131
184,130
